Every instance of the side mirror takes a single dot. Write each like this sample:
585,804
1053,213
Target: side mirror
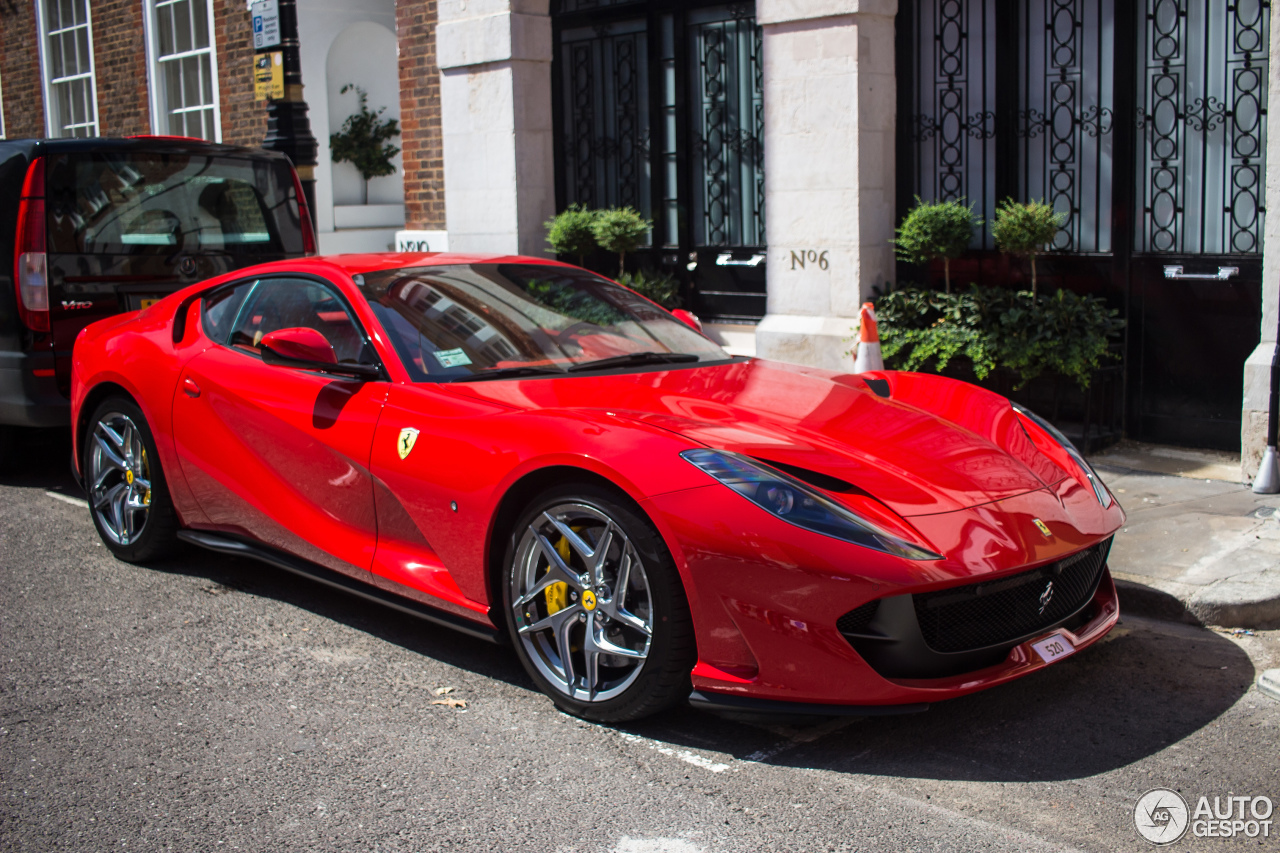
688,318
308,349
298,345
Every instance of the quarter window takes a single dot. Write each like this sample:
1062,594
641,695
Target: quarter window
70,93
184,69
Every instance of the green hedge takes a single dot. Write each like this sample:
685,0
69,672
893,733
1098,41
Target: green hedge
992,327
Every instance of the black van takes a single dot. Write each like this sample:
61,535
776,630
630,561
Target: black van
103,226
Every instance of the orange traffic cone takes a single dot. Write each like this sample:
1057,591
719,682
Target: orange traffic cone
868,342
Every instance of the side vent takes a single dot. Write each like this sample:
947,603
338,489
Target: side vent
879,386
858,620
814,478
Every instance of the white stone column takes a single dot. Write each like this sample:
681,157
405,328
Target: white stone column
495,105
829,100
1257,370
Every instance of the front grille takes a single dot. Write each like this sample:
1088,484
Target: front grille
989,613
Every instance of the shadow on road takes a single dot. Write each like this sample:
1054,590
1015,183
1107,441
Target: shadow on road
1143,689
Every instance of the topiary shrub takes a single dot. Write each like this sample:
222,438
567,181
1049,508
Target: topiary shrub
570,232
1025,229
362,142
940,229
620,230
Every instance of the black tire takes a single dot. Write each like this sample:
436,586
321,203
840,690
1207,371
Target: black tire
157,536
663,676
8,447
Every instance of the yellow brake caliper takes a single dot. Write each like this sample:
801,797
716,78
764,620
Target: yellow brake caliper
557,594
146,496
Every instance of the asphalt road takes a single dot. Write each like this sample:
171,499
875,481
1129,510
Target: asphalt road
218,704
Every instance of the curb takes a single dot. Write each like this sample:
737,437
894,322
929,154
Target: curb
1142,600
1269,683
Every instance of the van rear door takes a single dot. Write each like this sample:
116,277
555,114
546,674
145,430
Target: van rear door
128,225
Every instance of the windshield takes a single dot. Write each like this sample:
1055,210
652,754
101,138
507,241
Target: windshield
464,322
131,203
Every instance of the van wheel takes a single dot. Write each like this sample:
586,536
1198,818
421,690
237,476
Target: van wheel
128,497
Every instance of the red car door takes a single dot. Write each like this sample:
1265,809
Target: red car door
279,454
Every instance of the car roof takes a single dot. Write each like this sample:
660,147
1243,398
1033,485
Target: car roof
376,261
166,144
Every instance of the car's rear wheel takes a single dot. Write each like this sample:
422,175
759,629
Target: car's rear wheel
596,607
128,497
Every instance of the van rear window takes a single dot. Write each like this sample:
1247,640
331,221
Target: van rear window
154,203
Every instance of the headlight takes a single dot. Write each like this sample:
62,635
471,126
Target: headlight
798,504
1104,496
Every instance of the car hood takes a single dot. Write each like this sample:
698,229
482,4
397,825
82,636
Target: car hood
803,420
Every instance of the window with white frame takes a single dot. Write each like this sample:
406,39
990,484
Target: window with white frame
70,93
184,69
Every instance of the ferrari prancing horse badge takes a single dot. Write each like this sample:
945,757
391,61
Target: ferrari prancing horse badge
408,436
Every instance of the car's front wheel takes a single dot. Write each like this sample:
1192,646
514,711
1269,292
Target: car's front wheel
596,606
128,497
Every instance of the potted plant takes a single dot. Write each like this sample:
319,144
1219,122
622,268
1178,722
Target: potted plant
1026,229
362,142
620,230
939,229
570,232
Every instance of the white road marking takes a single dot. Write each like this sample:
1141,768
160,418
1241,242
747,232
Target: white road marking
68,499
656,845
795,736
683,754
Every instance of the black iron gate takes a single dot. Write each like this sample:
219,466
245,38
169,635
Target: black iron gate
1144,122
658,105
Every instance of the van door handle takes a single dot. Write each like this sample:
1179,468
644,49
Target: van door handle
1222,274
190,388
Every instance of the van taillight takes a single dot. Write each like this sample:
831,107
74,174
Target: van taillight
304,213
29,270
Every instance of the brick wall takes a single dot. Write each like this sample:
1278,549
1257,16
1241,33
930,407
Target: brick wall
20,71
420,136
244,120
120,63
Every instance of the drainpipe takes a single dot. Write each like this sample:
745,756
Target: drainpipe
1268,480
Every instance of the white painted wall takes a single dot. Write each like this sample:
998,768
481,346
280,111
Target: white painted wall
364,54
320,22
1257,370
830,101
495,98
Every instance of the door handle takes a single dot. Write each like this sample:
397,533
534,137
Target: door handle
1222,274
190,388
725,259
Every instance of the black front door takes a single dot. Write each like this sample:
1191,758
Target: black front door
1143,121
1196,270
658,106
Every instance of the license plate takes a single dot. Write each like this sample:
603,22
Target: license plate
139,301
1053,647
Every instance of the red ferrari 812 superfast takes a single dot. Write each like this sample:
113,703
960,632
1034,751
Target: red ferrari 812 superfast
528,452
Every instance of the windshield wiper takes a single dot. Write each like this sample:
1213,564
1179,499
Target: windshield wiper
635,358
509,373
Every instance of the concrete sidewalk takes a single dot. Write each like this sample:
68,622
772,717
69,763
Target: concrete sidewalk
1206,550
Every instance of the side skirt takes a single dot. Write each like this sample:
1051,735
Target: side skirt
305,568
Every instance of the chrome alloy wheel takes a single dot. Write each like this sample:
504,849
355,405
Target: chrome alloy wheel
119,478
581,601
